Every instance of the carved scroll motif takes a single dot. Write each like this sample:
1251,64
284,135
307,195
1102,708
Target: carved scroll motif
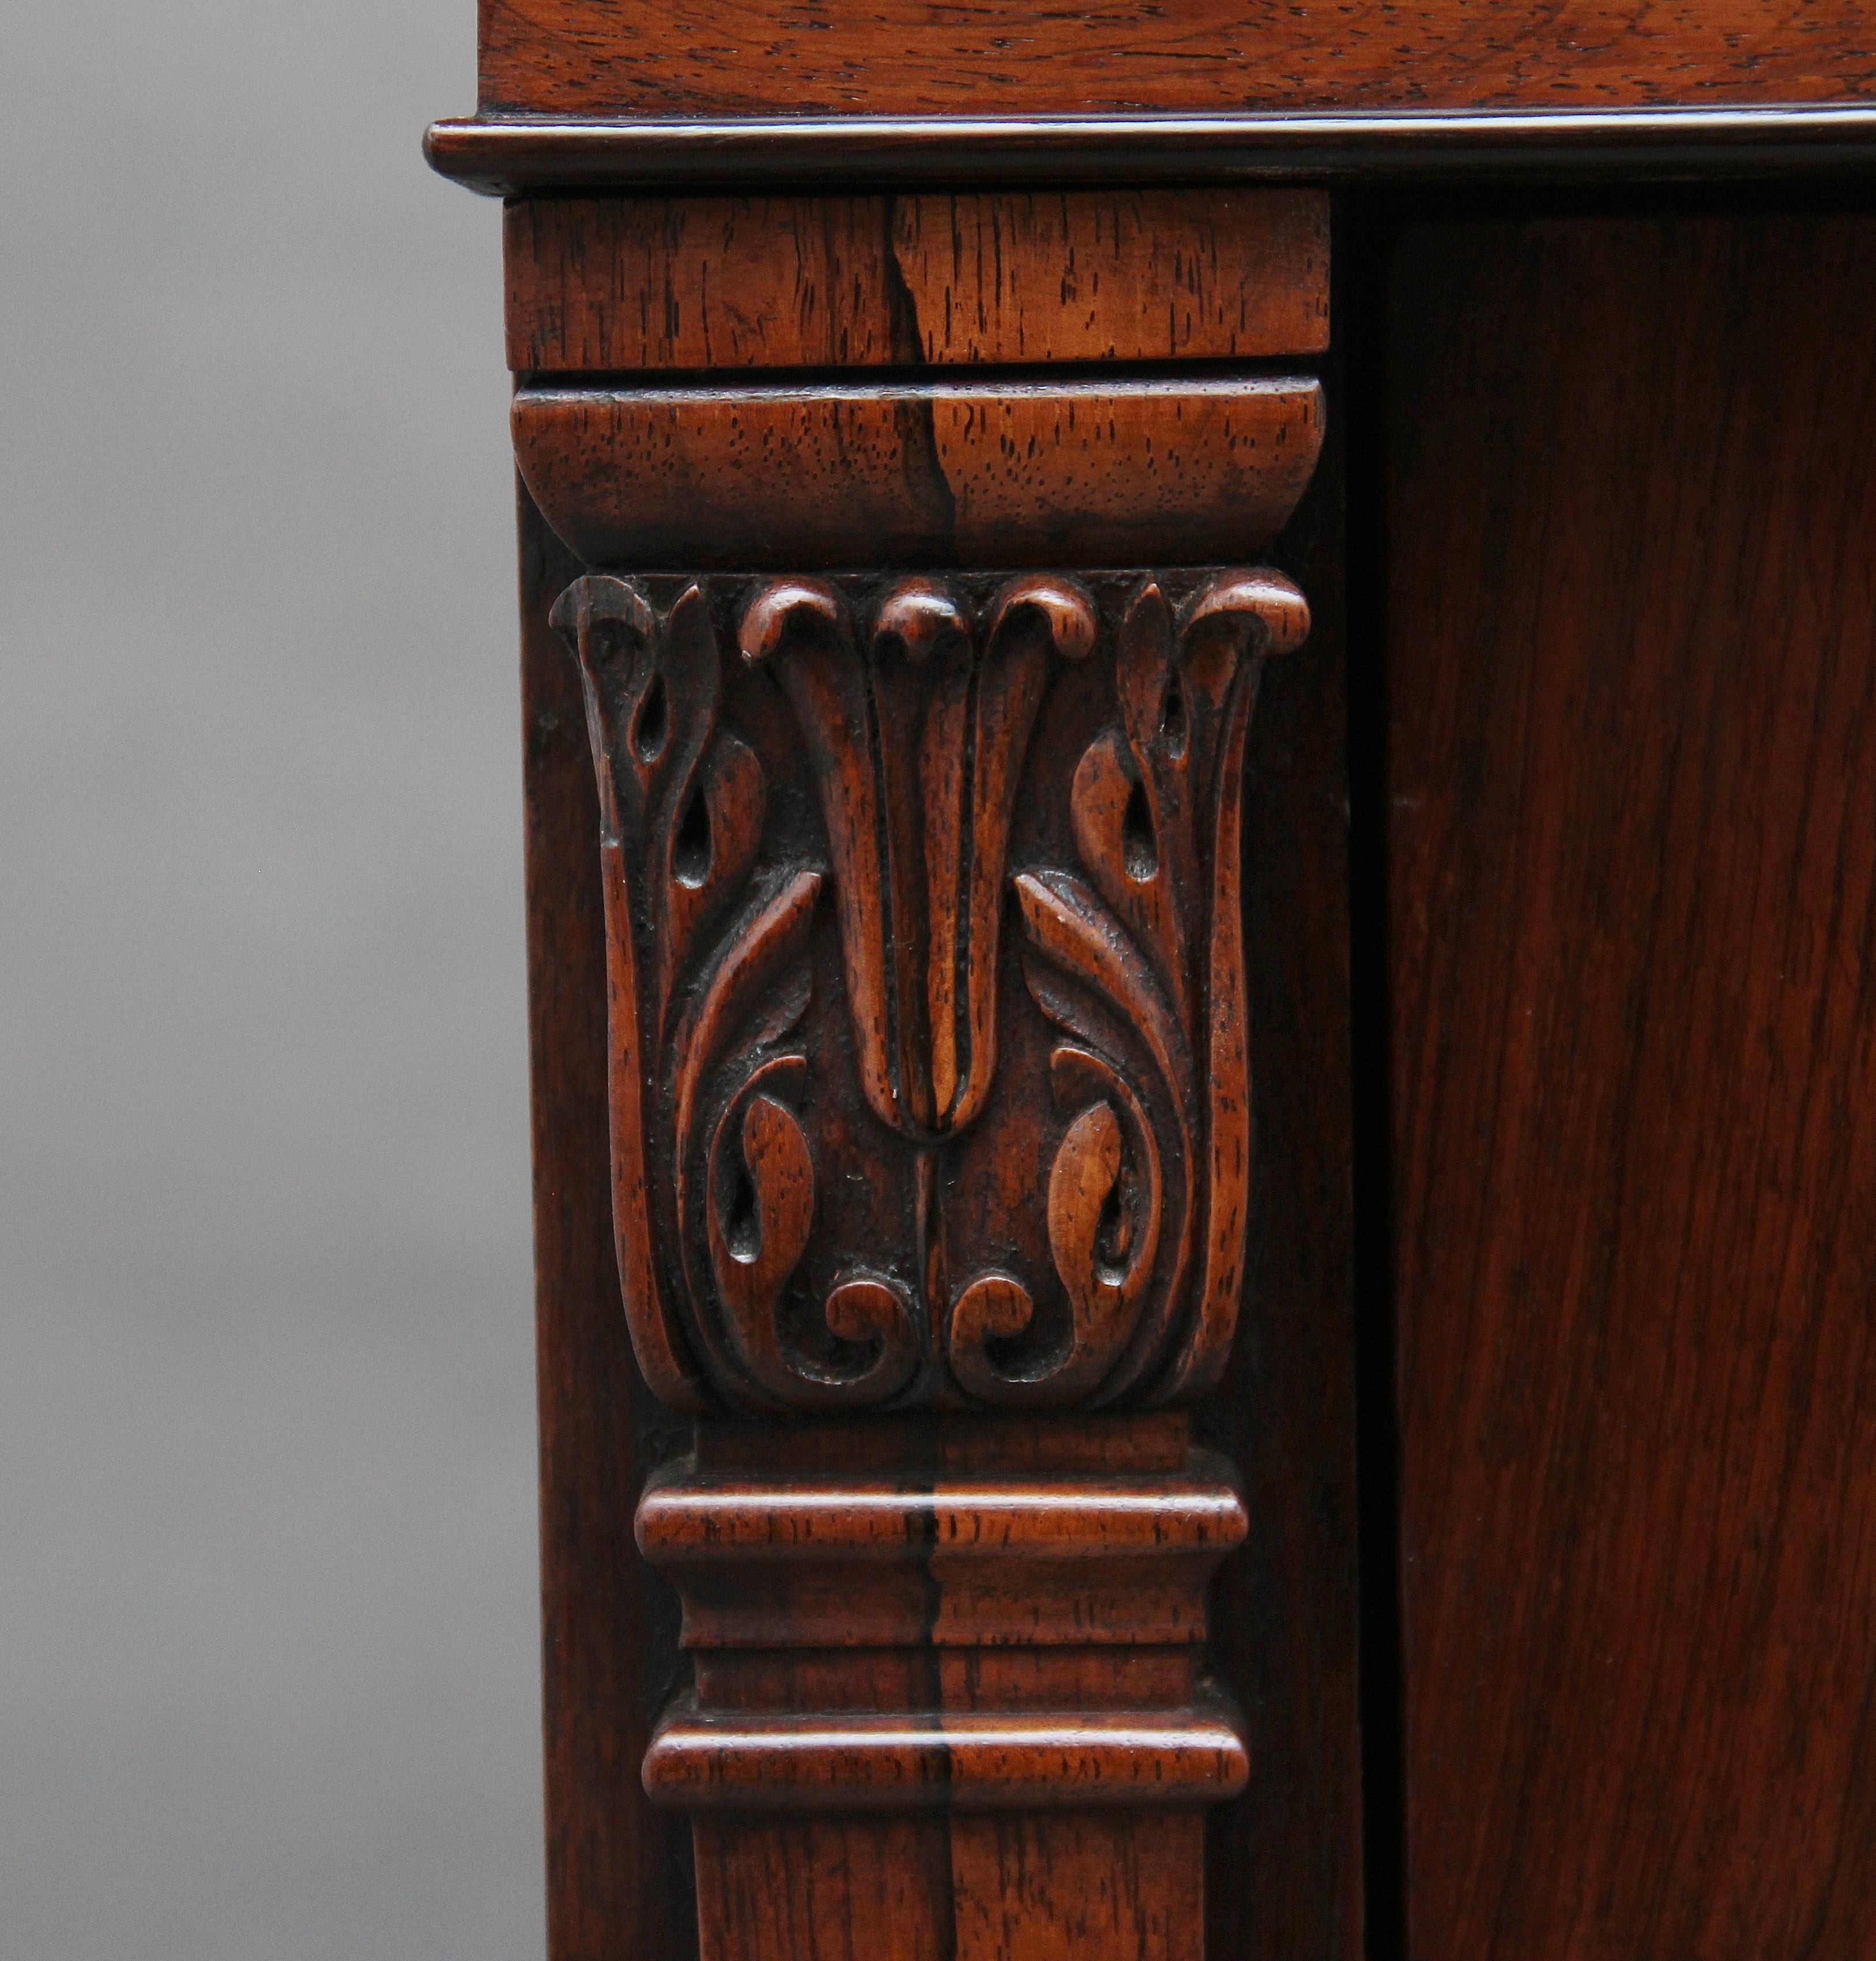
913,730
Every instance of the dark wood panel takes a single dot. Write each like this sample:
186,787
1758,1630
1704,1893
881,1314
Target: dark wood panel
1284,1873
690,58
1632,645
625,284
618,1877
1038,1888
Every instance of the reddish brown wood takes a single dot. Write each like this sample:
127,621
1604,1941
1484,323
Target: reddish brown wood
1047,1887
801,1886
926,970
1633,861
1055,1802
928,1041
629,284
1284,1876
618,1881
812,475
684,58
1142,1676
1057,1888
1147,1440
780,1066
1535,145
1045,1560
788,1760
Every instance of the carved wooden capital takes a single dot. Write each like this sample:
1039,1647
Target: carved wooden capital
929,1085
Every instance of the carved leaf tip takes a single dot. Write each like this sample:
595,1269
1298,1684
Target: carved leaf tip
994,1307
597,598
1065,606
768,618
1265,596
921,614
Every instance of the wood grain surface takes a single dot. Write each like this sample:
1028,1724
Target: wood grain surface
905,1623
841,1561
1285,1856
618,1871
1103,473
1286,1859
1632,626
1534,145
626,285
1058,1562
732,58
1061,1886
1060,1673
1284,1870
791,1761
975,1131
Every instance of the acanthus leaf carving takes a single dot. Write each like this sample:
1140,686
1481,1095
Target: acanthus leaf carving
916,742
695,1022
1157,813
911,722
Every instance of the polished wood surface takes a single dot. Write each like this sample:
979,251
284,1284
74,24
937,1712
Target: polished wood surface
742,57
1285,1869
809,476
1534,145
1051,1560
925,985
928,1039
978,1065
1632,855
1629,858
618,1878
1043,1887
951,1664
623,284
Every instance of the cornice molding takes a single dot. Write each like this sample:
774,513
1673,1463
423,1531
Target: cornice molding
515,155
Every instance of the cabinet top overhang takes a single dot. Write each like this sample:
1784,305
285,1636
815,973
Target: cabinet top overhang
672,94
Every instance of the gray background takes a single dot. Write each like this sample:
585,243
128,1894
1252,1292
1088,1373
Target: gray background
268,1646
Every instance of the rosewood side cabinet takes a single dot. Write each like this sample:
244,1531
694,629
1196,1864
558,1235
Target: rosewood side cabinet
1199,699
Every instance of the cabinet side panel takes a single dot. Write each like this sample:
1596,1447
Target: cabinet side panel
1632,861
618,1877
